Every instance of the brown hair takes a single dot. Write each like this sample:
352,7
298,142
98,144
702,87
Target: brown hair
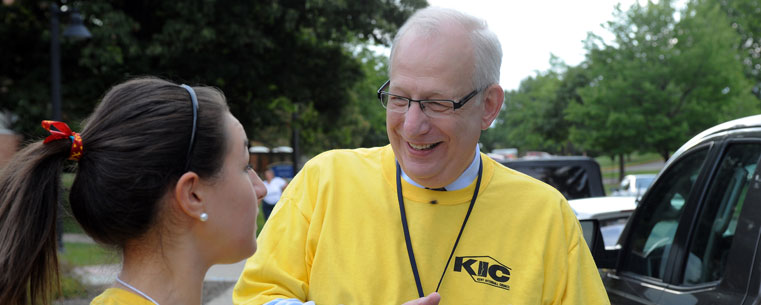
135,146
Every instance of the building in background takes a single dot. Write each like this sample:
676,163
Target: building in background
9,140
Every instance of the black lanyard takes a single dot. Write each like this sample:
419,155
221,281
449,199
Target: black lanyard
407,231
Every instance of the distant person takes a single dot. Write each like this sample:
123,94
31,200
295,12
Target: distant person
162,174
427,218
275,186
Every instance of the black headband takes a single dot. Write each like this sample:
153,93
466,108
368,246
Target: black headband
195,119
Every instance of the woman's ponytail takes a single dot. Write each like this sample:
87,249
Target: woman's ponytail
29,195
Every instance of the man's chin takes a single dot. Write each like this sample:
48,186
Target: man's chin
420,172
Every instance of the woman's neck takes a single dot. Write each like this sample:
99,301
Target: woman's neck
168,277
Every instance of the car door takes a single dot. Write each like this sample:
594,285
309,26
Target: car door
723,231
642,272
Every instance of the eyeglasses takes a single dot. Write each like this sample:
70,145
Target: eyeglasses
431,107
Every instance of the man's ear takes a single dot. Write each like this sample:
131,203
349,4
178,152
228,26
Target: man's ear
494,97
188,196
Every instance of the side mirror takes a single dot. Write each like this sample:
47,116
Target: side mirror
593,236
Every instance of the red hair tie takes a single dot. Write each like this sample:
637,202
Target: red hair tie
62,131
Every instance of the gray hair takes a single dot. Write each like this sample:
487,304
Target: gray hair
487,52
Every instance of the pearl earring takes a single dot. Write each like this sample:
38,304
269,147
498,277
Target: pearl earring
204,217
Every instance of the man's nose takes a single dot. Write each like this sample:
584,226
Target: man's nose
415,120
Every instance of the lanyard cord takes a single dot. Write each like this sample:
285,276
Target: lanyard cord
407,239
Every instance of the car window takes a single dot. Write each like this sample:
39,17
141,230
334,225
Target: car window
644,182
655,225
625,185
715,231
571,180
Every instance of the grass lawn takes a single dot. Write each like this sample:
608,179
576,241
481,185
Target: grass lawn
259,220
69,224
606,164
609,168
86,254
614,174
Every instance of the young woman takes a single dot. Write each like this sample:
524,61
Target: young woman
162,174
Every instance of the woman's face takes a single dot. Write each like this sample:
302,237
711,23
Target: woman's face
233,202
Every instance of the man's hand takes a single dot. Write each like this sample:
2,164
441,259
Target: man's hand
431,299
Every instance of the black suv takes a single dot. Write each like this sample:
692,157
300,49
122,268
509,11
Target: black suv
694,237
574,176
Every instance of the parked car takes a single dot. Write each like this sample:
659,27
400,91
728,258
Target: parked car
694,236
537,155
634,185
611,212
502,154
574,176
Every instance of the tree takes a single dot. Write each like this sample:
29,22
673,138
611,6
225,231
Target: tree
745,18
363,123
533,116
661,81
271,58
522,121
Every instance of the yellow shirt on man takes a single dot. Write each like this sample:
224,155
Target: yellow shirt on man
336,237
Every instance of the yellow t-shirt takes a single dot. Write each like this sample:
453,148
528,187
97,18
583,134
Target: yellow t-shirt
336,237
118,296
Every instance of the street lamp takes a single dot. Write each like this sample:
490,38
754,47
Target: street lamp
75,29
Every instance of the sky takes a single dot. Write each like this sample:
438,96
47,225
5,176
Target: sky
530,31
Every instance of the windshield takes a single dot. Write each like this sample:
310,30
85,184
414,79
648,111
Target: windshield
644,182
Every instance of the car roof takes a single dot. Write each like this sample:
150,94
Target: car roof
749,122
640,176
590,207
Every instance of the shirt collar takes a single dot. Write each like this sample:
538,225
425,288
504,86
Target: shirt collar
461,182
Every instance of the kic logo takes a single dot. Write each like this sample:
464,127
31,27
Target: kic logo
484,270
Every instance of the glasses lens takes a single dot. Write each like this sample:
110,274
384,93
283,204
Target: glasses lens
383,99
438,108
394,103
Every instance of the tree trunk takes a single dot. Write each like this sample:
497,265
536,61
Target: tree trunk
665,155
621,167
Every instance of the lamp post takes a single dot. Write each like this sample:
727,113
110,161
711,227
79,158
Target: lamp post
296,155
76,29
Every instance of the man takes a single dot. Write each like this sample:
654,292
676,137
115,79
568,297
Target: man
429,213
275,186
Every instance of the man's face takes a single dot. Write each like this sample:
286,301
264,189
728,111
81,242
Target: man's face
434,152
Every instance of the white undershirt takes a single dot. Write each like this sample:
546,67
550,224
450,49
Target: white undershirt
461,182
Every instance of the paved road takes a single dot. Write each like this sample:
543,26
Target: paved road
227,274
657,165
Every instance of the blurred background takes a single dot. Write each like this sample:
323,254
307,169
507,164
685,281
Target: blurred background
304,73
641,77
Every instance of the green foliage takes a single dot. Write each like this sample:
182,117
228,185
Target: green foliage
271,58
526,113
666,76
745,18
70,285
71,288
532,117
369,115
660,82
